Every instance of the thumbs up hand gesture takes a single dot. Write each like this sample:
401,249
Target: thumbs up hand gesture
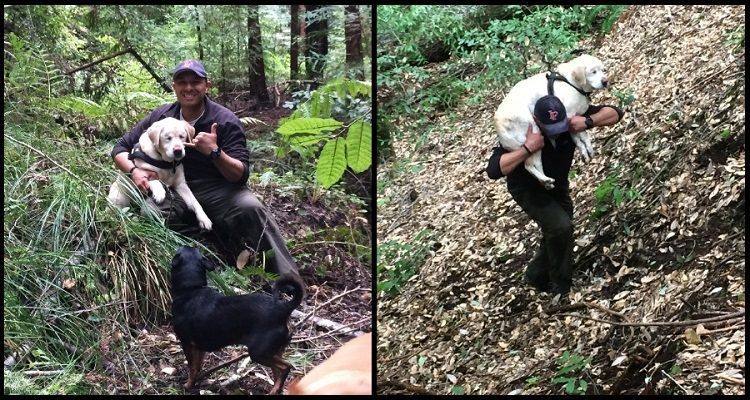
204,142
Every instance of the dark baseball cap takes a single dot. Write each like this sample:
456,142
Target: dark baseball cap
194,66
551,116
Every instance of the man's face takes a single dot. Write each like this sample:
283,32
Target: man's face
190,88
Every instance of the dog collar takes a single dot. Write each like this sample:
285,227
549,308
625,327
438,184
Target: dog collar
554,76
138,153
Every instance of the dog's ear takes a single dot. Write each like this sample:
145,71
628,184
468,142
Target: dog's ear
190,131
154,133
579,75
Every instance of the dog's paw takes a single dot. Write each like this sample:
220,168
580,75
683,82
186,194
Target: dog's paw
205,224
549,183
590,150
158,196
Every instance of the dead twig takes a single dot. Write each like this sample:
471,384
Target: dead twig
675,323
675,382
332,299
583,304
409,387
354,332
207,372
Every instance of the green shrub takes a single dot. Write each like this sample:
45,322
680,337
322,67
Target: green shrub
571,365
397,262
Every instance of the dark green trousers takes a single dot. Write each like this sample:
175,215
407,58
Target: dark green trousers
239,220
552,265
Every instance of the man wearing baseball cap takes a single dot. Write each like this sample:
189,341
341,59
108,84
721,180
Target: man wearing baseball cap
551,269
217,166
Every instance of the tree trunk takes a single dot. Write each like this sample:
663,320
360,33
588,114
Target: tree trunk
353,39
198,28
316,37
256,68
294,26
223,79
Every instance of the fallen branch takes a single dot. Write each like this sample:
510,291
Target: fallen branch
105,58
576,306
353,332
409,387
42,373
675,323
728,328
207,372
675,382
332,299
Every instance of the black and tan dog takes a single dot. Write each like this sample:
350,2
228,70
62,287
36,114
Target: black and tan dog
205,320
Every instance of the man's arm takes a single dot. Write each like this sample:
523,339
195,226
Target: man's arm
231,168
503,163
600,116
123,147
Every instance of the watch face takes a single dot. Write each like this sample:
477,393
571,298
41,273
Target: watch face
215,154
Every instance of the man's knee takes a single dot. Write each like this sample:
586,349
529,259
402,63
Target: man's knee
247,203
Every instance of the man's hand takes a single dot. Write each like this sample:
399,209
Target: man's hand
534,140
577,124
204,142
141,177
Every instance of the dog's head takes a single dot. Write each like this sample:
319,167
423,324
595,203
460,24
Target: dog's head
169,136
588,72
189,269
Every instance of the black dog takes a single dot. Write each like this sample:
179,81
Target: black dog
205,320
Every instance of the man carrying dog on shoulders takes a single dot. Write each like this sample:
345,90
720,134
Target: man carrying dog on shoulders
551,269
216,165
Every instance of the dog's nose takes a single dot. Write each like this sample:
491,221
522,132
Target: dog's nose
178,153
605,82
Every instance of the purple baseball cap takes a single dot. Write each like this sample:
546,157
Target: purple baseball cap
194,66
551,116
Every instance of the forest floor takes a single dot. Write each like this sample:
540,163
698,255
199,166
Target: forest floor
660,235
321,234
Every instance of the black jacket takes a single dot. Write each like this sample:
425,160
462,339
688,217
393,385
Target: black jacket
230,138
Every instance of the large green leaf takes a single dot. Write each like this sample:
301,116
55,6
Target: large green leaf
308,125
332,163
359,146
306,139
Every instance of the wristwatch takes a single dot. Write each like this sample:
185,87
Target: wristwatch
589,122
215,153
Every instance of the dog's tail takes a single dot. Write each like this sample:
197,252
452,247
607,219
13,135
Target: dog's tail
292,285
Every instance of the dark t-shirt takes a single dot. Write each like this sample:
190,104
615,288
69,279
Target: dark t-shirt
556,159
230,138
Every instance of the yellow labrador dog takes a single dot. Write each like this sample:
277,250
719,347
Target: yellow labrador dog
160,149
584,74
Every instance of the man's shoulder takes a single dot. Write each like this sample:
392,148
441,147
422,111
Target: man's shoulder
220,113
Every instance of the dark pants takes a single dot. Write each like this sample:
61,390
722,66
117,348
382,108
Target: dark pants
552,265
239,221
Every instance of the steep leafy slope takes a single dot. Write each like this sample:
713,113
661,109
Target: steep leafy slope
660,216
